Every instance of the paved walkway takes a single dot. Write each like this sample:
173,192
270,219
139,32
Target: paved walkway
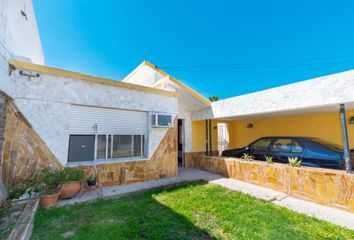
329,214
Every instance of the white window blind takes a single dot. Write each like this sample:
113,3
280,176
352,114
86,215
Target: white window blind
109,121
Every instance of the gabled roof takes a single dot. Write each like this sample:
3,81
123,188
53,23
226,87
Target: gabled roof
169,77
70,74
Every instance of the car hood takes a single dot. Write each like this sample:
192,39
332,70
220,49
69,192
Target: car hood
233,151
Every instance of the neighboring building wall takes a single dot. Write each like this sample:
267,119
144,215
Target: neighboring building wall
19,31
24,152
45,102
19,38
325,186
322,91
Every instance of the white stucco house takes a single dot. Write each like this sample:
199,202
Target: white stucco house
142,127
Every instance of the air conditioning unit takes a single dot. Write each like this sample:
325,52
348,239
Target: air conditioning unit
161,120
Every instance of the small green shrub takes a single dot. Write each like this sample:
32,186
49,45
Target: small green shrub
50,181
269,159
72,174
294,161
45,182
247,157
24,185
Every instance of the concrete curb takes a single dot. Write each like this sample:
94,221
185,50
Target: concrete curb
24,225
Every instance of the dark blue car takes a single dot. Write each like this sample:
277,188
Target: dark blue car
313,152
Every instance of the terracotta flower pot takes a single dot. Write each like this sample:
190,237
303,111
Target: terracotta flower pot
49,201
70,189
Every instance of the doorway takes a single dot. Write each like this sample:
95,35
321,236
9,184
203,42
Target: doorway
180,142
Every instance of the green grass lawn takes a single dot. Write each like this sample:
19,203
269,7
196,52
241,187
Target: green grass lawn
194,211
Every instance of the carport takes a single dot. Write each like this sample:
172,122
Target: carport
321,107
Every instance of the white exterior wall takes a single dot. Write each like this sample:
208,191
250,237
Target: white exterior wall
318,92
19,38
45,102
186,115
145,76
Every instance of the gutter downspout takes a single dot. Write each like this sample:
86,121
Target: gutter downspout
206,137
343,120
210,139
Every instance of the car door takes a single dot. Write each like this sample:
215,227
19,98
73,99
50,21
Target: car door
259,148
283,148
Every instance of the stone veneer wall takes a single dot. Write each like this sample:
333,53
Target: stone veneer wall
328,187
3,192
2,123
191,158
162,164
24,152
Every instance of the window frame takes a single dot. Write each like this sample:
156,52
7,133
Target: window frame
260,139
143,149
272,149
69,148
292,145
143,146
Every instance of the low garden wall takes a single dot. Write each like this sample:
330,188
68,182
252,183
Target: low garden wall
328,187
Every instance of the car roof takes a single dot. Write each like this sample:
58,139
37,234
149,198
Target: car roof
287,137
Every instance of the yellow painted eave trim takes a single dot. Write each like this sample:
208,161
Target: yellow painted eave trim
76,75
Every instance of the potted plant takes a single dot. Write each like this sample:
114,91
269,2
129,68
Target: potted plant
49,187
294,161
91,180
71,182
24,188
269,159
247,157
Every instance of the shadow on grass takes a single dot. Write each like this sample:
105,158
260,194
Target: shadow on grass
135,216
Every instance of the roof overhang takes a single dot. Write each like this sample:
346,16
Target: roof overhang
323,94
76,75
291,112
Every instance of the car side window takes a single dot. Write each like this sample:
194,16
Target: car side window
282,145
262,144
296,148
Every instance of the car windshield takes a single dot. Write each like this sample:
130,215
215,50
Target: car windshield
330,145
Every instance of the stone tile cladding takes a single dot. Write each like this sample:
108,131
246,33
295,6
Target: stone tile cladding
24,152
324,186
3,192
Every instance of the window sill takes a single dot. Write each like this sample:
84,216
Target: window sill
105,161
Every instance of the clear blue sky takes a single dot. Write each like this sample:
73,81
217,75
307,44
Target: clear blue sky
223,48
